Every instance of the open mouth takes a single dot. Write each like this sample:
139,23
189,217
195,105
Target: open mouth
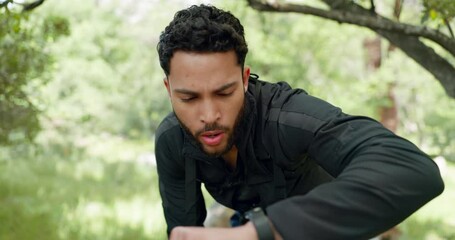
212,138
212,135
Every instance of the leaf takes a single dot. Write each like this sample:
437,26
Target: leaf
433,14
424,18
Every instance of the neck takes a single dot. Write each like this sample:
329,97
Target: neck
231,157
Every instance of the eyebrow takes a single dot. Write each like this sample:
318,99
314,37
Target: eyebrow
190,92
225,86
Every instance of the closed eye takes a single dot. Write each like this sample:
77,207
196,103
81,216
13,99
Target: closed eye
187,99
225,94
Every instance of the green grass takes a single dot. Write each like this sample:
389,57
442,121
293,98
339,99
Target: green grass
93,197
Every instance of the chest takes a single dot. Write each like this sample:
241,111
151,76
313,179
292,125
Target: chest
233,189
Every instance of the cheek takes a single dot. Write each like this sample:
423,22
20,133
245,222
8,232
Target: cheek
234,108
186,115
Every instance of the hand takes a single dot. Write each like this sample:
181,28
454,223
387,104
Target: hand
245,232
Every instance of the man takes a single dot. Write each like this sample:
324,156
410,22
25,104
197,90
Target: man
294,165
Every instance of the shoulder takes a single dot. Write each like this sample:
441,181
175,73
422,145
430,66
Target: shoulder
169,132
168,124
169,139
291,106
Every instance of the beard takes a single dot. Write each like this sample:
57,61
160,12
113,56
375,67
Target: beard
193,138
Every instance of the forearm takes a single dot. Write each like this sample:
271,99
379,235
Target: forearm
381,186
245,232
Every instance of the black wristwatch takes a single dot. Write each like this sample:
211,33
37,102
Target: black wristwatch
261,223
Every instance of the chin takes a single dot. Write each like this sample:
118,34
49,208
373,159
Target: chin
213,152
217,151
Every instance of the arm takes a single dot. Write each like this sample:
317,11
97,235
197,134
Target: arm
244,232
380,178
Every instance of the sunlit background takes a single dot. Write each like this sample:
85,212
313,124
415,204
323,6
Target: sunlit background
77,156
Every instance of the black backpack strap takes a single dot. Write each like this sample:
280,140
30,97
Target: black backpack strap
190,190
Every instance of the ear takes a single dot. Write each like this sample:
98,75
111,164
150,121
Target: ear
246,77
168,87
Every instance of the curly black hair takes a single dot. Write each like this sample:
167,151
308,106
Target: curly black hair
202,28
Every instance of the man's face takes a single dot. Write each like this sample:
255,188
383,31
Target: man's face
207,92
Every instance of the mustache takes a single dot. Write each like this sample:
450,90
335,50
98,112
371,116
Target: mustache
211,127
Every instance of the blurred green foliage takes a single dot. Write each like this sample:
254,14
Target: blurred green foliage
89,198
25,65
22,62
83,84
444,9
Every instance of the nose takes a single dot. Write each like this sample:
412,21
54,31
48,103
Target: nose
210,112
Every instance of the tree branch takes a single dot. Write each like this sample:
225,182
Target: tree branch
5,3
426,57
373,7
448,27
29,6
366,19
404,36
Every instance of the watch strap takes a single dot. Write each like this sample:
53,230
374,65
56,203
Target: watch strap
261,223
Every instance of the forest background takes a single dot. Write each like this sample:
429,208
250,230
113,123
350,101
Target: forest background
81,95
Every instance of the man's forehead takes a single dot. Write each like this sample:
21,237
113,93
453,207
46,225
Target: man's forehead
198,60
218,86
204,71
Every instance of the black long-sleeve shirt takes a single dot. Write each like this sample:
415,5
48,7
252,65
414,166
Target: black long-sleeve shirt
319,173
